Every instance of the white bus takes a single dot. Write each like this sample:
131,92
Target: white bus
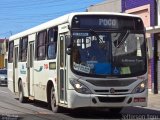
84,59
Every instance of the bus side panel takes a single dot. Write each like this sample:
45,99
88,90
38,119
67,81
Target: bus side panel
41,75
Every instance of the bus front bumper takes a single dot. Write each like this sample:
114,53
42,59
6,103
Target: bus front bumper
76,100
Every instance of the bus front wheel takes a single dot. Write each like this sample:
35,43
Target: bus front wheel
55,108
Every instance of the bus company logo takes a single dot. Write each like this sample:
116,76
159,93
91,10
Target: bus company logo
22,70
40,69
112,90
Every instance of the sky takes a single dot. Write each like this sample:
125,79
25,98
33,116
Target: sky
19,15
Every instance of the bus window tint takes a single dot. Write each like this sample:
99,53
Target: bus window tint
52,44
130,56
91,53
102,53
10,56
23,49
41,47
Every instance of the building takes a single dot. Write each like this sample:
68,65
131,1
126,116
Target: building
155,29
146,9
3,53
106,6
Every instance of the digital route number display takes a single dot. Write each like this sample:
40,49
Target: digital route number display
101,22
107,22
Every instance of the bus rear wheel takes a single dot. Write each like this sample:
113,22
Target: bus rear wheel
22,99
55,108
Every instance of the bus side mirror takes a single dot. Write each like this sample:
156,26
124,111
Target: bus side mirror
68,44
68,40
68,51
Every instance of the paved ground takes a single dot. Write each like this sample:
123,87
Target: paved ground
11,109
154,101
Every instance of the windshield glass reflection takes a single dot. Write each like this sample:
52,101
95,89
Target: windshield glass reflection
99,54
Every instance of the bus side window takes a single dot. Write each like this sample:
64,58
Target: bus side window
23,49
41,45
52,44
10,54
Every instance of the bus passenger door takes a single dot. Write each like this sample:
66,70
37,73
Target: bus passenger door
62,77
15,69
30,74
62,70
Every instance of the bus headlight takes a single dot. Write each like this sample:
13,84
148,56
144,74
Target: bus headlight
2,77
140,88
79,87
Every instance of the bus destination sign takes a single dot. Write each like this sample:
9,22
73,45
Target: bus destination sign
108,23
99,23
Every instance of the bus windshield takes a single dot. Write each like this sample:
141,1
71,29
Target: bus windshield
108,53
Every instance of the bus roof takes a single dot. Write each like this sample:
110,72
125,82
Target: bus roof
61,20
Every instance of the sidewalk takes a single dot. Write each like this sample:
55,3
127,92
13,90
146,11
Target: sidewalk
154,101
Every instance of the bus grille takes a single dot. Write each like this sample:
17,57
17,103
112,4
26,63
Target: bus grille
107,92
111,99
111,83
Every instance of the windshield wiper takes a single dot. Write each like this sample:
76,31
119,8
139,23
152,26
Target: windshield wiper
96,35
121,39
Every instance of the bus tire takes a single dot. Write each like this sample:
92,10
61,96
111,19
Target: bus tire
55,108
22,99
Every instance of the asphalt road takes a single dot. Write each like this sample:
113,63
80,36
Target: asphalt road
12,109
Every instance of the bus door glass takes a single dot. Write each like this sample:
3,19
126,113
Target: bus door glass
30,68
15,69
62,71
